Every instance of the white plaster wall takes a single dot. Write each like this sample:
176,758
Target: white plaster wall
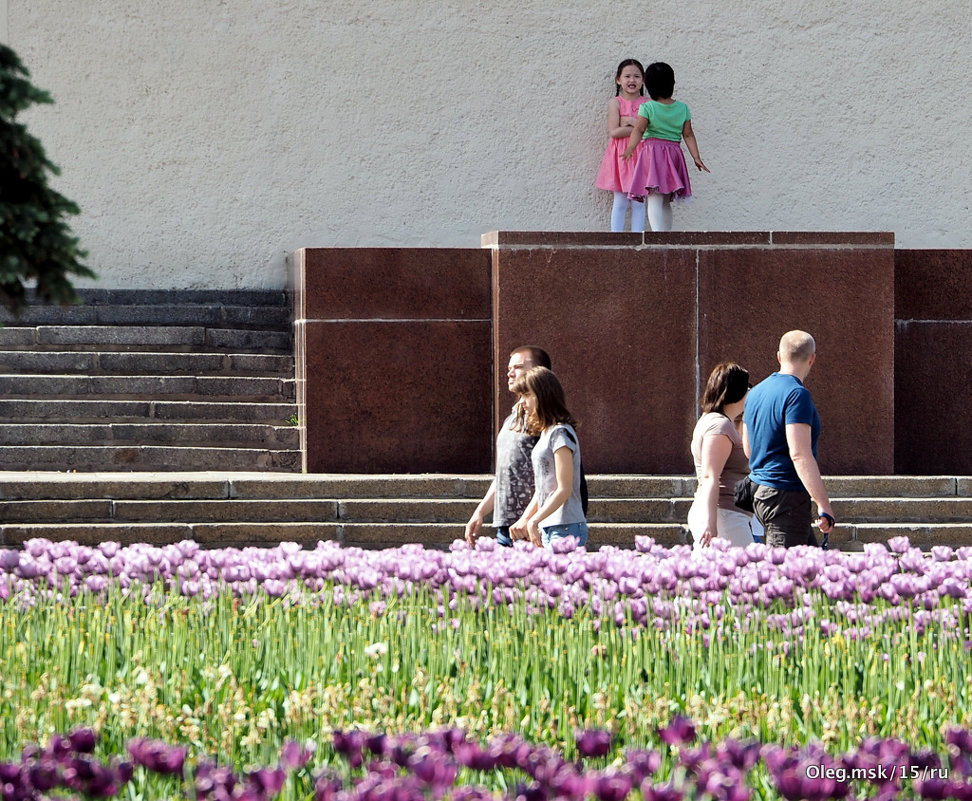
207,139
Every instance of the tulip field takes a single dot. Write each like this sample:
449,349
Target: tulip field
146,672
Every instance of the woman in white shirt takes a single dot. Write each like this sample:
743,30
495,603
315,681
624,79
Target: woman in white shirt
556,510
719,460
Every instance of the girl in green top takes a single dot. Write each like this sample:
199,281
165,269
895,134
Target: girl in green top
660,173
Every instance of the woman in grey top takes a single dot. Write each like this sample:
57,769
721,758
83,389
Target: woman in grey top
556,510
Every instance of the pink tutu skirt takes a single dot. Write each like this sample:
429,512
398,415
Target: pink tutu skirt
660,168
616,171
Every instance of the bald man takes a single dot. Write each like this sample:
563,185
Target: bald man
780,430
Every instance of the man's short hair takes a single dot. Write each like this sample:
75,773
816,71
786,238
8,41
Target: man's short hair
797,346
537,355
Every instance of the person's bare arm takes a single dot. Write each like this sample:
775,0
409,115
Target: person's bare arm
618,126
798,441
484,508
715,453
693,147
636,135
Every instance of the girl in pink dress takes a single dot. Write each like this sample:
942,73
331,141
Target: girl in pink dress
615,172
653,147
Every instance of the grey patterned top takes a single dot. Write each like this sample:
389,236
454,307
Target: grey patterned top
514,473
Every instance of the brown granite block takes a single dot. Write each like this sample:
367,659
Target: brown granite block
933,284
577,239
561,239
619,325
842,238
398,396
705,238
394,283
844,297
933,374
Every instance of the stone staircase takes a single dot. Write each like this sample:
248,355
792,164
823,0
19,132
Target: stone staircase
220,509
158,381
161,416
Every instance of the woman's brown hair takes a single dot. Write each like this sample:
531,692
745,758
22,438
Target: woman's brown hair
551,403
728,383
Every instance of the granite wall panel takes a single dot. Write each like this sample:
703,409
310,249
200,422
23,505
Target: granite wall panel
619,324
844,297
389,339
933,285
394,352
933,362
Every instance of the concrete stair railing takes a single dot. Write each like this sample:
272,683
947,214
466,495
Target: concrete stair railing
221,509
156,381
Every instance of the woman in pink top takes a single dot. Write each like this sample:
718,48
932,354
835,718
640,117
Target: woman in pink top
615,172
719,460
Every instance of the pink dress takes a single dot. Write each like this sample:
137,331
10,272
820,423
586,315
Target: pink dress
660,164
615,172
660,168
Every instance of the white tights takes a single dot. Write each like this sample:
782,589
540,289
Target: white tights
659,212
620,210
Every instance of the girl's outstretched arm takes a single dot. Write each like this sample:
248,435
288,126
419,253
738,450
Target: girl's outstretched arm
616,128
689,136
636,134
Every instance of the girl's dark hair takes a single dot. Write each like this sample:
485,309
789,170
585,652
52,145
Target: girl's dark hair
659,80
628,62
551,403
728,383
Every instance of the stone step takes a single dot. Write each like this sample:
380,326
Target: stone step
270,317
81,411
923,535
311,508
27,362
904,510
226,483
236,507
158,458
363,535
142,337
183,387
244,435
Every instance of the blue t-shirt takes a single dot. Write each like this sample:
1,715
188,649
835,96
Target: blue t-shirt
770,406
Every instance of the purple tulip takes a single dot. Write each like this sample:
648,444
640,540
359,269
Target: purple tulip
643,764
83,740
612,786
294,756
661,792
43,776
593,743
679,732
156,756
266,782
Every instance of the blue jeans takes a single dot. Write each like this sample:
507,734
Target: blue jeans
503,536
576,530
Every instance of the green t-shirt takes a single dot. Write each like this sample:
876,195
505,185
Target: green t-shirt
665,120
